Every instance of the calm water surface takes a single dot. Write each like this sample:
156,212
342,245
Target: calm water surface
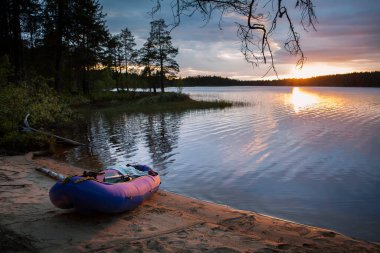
310,155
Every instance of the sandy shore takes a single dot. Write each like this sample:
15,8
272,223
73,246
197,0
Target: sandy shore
166,223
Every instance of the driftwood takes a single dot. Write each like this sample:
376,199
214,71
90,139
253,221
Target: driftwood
51,173
65,140
13,185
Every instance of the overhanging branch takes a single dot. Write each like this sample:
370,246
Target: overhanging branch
255,34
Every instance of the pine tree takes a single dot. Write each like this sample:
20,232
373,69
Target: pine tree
147,56
74,34
88,36
57,24
164,50
113,57
127,41
16,19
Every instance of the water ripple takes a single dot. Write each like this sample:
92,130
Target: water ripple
307,154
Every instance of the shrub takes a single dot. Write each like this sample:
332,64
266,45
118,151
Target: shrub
40,101
24,141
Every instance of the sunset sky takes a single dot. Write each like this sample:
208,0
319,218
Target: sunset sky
347,40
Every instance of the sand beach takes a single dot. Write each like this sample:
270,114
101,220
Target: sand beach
167,222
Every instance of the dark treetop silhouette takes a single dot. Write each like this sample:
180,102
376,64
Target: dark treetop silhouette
255,33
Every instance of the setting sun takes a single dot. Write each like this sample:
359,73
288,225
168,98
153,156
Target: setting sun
301,99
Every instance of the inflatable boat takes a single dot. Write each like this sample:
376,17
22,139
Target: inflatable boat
108,191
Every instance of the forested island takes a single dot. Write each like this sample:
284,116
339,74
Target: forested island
357,79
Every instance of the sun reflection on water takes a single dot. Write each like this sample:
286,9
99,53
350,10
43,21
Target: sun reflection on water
301,99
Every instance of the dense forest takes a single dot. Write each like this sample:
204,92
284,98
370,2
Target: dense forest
363,79
67,44
57,54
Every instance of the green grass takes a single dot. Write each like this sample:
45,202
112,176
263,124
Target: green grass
150,103
113,97
176,106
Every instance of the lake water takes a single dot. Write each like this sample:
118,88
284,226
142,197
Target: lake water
310,155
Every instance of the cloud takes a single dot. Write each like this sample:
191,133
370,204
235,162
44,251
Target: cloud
348,34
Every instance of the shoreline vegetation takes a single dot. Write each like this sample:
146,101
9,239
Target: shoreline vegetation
147,102
51,112
356,79
165,223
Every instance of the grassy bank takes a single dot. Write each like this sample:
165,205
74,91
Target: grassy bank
51,112
150,103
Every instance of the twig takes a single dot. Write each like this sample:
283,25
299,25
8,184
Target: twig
13,185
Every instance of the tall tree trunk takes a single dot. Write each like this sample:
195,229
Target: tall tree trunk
5,34
162,74
58,55
126,74
120,77
161,64
17,42
150,79
115,73
85,83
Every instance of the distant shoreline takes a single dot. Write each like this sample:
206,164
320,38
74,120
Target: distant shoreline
357,79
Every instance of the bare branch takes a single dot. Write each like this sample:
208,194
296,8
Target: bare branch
255,34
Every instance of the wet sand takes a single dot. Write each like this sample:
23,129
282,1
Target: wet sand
166,223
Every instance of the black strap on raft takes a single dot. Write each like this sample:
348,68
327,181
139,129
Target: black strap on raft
87,175
66,180
85,179
82,179
91,174
152,173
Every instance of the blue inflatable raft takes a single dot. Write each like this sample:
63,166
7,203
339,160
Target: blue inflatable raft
110,191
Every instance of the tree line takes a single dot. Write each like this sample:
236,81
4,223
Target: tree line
67,42
357,79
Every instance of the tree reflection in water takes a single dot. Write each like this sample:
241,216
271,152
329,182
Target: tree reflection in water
120,138
161,135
